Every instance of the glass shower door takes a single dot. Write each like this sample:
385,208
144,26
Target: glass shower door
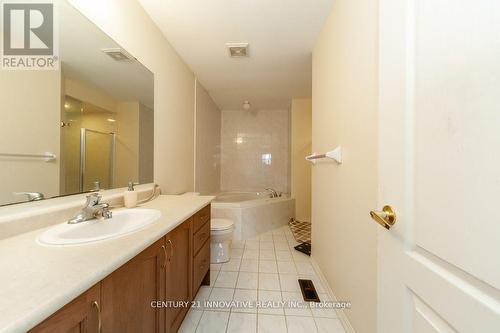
97,160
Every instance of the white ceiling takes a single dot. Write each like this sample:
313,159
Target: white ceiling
281,34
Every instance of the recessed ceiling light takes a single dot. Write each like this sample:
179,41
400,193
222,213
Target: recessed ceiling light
237,50
111,120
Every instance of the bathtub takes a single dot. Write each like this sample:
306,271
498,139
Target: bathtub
253,213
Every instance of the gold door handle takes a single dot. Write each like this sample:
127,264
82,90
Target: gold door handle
99,318
171,249
164,264
386,217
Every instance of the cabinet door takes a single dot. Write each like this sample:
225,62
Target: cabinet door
128,292
179,276
79,316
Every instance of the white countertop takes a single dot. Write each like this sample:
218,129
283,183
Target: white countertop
38,280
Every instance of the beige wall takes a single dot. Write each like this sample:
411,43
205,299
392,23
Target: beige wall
127,23
127,144
29,124
135,134
146,144
345,113
207,159
88,93
301,141
246,137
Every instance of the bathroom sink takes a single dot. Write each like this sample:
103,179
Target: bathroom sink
123,222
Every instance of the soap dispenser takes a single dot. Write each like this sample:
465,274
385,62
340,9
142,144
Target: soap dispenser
130,196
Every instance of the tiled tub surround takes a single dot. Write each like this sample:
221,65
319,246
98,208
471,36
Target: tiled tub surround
38,280
253,213
255,150
264,268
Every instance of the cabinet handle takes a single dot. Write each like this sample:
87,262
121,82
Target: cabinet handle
171,249
99,319
164,264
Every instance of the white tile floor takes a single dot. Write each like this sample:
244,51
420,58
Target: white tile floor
265,268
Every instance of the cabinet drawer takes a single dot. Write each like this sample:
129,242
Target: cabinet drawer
201,264
201,217
200,237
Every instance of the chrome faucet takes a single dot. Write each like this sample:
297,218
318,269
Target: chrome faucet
93,209
274,194
32,196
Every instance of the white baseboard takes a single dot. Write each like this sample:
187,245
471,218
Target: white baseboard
340,312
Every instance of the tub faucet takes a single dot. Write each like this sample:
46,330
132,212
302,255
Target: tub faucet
93,209
274,194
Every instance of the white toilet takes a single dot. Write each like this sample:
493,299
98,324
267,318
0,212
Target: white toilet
221,235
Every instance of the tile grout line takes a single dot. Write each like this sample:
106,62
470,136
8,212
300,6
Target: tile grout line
258,285
235,284
281,289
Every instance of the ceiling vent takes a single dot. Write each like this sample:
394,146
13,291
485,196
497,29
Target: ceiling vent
238,50
118,54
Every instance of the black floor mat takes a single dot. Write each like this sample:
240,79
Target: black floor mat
304,248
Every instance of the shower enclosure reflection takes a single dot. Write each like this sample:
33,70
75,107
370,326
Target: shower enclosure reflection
102,148
88,147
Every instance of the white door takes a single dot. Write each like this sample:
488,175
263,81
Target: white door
439,167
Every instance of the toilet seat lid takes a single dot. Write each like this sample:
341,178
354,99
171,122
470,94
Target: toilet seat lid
221,224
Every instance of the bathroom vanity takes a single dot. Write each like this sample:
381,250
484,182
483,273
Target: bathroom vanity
130,298
121,284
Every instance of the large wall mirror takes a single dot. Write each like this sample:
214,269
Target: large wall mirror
85,126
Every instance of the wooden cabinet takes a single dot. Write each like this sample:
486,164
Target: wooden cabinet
201,218
79,316
127,293
178,273
201,266
132,298
201,249
200,237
